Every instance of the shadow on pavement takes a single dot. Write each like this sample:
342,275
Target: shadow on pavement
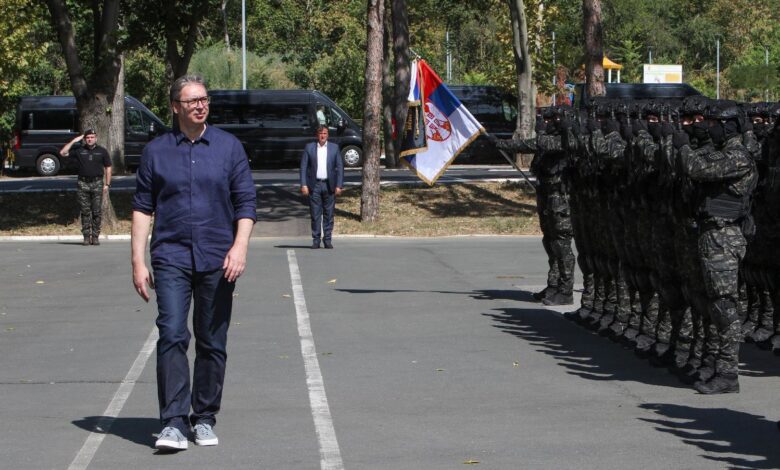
580,351
137,430
754,439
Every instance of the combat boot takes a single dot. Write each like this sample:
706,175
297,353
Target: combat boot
544,293
87,241
726,383
559,299
96,240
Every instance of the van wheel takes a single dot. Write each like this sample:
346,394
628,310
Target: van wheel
352,156
47,165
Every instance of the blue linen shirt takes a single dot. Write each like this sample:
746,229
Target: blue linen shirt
196,192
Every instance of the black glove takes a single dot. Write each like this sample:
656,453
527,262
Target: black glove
625,131
491,138
540,125
680,139
667,129
611,126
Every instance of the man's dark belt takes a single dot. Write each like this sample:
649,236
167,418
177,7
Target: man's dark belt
318,179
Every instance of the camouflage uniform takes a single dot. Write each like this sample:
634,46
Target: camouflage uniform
726,178
550,165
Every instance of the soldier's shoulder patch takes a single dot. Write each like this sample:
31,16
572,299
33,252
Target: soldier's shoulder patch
714,156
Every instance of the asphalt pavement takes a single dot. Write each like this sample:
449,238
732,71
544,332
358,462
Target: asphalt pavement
430,354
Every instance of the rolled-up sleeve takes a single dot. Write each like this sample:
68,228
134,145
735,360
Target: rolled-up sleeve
143,200
242,188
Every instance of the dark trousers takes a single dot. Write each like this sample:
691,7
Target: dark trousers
213,301
322,206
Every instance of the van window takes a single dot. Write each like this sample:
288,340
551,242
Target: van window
225,114
285,115
136,121
327,116
49,120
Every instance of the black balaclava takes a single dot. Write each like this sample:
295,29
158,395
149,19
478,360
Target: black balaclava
654,128
721,132
700,131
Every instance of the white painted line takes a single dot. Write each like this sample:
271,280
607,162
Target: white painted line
330,455
95,438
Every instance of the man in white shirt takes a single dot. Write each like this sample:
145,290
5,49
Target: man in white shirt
322,179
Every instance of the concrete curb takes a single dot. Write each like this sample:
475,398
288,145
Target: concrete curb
126,237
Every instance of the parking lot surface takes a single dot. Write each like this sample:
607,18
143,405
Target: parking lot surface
431,355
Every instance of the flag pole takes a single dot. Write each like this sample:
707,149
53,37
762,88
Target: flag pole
514,165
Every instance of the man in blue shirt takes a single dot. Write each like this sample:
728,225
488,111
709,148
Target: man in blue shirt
196,182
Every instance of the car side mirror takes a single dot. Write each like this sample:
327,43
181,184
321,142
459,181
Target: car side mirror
152,129
341,124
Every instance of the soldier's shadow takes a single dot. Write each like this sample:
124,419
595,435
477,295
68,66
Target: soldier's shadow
749,440
581,352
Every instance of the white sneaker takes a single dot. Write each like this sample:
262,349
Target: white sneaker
204,435
171,438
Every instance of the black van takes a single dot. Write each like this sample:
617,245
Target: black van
275,125
495,110
637,91
45,123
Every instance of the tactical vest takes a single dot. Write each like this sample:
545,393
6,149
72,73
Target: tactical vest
717,202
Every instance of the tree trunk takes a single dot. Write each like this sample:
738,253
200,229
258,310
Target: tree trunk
526,89
402,72
95,94
116,137
372,112
225,24
387,95
594,47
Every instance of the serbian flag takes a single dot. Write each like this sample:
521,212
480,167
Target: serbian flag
449,126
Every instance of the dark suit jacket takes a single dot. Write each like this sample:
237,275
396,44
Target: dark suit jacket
309,167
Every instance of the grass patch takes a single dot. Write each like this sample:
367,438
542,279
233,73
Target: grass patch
457,209
55,213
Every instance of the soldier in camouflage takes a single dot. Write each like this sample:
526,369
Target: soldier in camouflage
94,167
551,166
725,175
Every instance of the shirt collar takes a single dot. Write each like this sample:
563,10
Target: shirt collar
204,138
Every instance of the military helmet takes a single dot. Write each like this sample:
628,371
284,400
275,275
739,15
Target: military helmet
696,104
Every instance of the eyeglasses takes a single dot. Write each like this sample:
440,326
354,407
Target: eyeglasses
203,101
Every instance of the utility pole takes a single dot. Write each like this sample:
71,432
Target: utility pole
555,72
650,55
766,73
449,57
717,68
243,44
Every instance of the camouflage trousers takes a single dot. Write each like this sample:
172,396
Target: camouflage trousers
721,250
90,197
556,224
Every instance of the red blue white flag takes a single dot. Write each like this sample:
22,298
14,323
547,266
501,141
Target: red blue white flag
449,126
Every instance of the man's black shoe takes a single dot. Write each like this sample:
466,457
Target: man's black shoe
87,241
328,244
96,240
718,384
558,299
315,245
